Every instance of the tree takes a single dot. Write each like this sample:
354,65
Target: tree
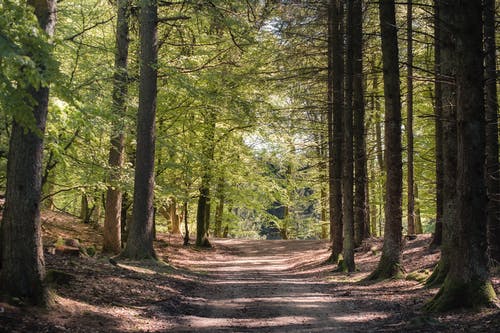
112,221
22,262
492,164
390,262
335,112
467,282
358,106
140,237
409,119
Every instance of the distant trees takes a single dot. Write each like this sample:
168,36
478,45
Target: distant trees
22,262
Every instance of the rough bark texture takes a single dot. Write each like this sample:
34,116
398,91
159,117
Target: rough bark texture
361,216
347,155
174,217
112,219
409,120
492,165
22,262
447,78
140,235
390,262
467,283
335,112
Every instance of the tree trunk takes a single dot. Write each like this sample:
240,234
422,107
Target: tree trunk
140,235
347,159
361,216
112,221
335,112
418,219
446,77
186,227
492,165
174,217
438,111
203,211
22,262
390,262
409,120
467,283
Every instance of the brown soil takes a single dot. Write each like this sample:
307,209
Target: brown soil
238,286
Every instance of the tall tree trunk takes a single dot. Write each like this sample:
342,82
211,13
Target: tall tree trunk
347,159
418,218
438,111
335,112
112,221
186,227
203,211
361,216
21,254
409,119
140,235
467,283
390,262
447,79
492,165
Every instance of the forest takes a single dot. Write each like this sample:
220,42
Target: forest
253,165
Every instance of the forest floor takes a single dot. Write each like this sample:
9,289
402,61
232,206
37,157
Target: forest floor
237,286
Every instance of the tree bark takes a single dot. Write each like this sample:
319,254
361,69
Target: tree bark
112,219
409,120
335,112
219,211
140,235
492,164
22,262
361,216
390,264
347,156
467,283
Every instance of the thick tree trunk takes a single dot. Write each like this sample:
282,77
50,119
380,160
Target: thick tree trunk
492,164
140,234
22,262
409,120
390,262
467,283
335,112
361,216
112,221
174,217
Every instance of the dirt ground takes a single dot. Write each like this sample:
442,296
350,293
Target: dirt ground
238,286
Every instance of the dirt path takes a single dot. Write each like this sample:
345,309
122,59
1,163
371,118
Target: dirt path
264,286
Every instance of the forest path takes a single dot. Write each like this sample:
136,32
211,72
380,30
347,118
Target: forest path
264,286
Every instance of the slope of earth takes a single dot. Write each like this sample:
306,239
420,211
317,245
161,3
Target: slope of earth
238,286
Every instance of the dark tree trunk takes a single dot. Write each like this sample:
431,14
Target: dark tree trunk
467,283
446,77
492,165
390,262
112,221
186,227
22,262
140,234
347,156
335,111
361,216
409,120
438,111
